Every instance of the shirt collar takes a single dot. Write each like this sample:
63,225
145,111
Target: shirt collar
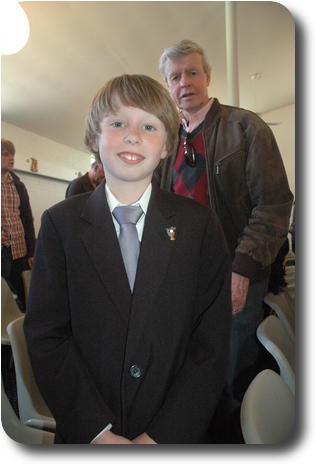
9,179
196,118
143,201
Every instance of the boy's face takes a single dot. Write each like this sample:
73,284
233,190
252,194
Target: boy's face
131,144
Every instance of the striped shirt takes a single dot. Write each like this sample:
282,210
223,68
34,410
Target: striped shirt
12,230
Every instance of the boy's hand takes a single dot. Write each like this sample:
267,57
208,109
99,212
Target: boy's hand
143,439
109,438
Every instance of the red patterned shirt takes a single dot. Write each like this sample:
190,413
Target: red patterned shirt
12,230
190,181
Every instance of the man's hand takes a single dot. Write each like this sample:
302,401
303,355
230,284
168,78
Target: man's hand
240,286
143,439
30,262
109,438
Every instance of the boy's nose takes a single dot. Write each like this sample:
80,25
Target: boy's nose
133,136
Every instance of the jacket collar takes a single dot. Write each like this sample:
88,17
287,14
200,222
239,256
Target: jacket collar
101,243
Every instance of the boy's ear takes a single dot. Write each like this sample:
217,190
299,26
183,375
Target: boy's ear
94,143
165,151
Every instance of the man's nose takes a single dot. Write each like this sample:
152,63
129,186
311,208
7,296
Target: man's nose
184,80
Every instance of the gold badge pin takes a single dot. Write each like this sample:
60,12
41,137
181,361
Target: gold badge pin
171,232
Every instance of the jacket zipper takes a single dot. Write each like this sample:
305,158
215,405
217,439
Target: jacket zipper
218,168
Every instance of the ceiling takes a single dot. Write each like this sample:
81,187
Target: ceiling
75,47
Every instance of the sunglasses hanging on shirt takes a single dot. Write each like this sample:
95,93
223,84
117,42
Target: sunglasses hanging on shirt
189,154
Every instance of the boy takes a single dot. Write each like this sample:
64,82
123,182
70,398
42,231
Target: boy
119,362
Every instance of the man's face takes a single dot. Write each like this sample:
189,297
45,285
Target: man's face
7,161
98,174
188,82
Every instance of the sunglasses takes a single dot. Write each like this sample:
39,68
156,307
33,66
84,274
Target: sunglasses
190,157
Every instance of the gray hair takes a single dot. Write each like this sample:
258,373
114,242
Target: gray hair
183,48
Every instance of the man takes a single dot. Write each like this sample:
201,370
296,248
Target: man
228,159
88,182
17,225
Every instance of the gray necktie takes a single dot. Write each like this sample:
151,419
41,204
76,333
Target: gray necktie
127,217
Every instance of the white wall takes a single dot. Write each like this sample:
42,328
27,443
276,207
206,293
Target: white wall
44,192
285,136
57,166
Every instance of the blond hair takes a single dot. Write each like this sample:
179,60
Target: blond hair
138,91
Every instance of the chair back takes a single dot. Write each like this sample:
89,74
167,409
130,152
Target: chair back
33,410
267,410
26,276
17,431
275,338
280,305
9,310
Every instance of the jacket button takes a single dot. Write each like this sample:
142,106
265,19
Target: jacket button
135,371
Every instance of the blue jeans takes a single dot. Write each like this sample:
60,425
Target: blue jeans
244,346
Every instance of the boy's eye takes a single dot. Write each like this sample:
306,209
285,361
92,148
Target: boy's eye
148,127
117,124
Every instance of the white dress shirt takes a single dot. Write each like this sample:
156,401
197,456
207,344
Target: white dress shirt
194,120
143,202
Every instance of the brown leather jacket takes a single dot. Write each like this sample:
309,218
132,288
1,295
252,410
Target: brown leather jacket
247,186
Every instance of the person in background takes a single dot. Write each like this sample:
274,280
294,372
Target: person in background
88,182
227,159
122,359
17,225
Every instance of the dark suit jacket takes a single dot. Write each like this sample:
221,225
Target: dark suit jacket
79,185
85,330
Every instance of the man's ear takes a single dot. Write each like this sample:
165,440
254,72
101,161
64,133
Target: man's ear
208,78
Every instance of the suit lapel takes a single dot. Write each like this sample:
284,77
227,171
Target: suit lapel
156,251
100,241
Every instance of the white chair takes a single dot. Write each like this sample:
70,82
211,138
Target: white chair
9,310
289,292
26,276
290,280
289,259
281,306
17,431
33,410
273,335
267,410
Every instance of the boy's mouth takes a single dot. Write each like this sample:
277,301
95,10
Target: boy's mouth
131,157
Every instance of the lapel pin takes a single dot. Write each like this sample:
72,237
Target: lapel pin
171,232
